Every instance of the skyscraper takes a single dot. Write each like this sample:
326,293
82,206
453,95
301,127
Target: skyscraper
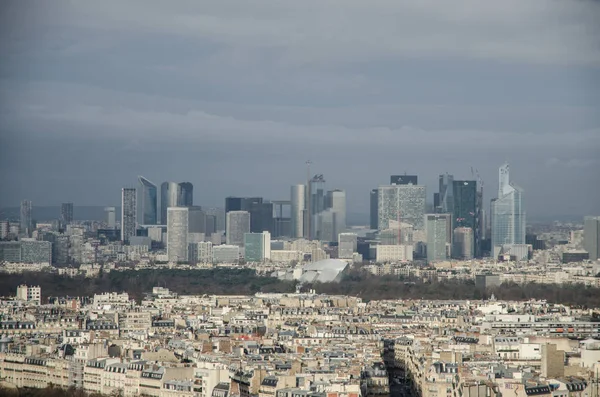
336,201
446,194
373,209
326,226
257,246
26,221
128,213
298,203
508,214
185,195
238,223
177,234
148,197
66,214
316,202
437,235
110,217
404,203
169,197
466,211
591,236
261,212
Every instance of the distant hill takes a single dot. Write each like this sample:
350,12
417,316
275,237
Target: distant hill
48,213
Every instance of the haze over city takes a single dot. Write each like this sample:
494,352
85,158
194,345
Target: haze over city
236,96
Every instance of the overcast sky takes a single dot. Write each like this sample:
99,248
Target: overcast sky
234,96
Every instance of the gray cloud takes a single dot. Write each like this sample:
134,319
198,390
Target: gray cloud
236,95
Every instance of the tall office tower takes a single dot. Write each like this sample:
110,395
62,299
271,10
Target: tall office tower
26,220
336,201
466,211
508,215
177,234
66,214
128,213
326,226
404,203
238,223
196,224
148,197
373,209
110,217
257,246
591,236
437,231
169,197
347,244
186,194
446,194
218,215
317,202
463,244
4,229
403,180
261,212
298,200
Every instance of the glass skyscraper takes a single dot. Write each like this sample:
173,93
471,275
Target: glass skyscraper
148,196
26,221
508,214
169,197
128,213
185,195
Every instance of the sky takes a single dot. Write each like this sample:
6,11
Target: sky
236,95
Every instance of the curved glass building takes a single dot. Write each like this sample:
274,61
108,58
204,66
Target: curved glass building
148,202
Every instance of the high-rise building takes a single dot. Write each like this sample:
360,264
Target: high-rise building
257,246
148,196
261,212
445,203
336,201
26,221
466,211
508,215
298,203
403,180
186,195
128,213
437,232
4,229
66,214
373,209
463,243
347,245
403,203
317,203
177,234
238,224
169,197
33,251
197,219
110,217
591,236
326,226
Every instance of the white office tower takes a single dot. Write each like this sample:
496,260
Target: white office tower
128,213
110,217
257,247
336,201
401,203
347,244
326,227
237,224
437,226
177,230
463,246
298,204
508,215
